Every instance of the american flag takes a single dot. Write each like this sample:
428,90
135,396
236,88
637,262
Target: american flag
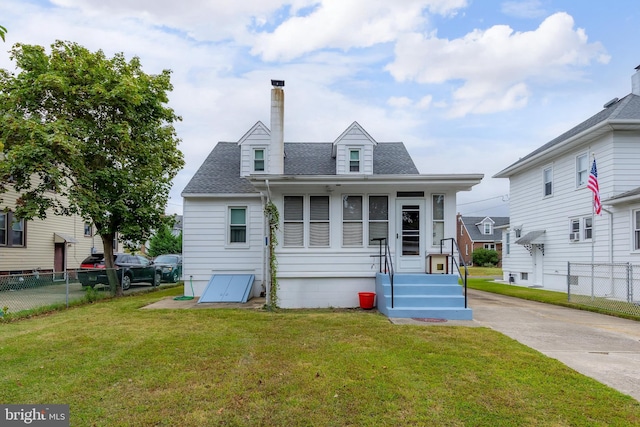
592,185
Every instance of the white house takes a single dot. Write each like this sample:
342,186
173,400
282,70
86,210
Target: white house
551,209
334,199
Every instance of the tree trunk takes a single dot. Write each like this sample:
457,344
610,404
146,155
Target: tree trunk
112,273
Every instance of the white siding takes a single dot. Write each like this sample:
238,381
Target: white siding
205,236
257,137
617,156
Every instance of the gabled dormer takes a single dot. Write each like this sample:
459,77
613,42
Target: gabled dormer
353,151
486,226
254,152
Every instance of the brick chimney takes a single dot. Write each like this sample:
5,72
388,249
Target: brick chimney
635,82
276,151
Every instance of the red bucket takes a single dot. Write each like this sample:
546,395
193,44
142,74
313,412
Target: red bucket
367,300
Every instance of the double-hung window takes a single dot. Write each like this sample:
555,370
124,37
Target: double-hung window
12,230
237,225
587,228
293,221
507,242
582,173
352,221
88,229
636,230
487,228
574,232
319,221
547,177
258,160
378,218
438,218
354,160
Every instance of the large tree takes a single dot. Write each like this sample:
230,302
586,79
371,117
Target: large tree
90,135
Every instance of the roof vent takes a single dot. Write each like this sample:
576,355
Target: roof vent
610,103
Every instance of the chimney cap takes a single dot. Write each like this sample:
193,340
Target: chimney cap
277,83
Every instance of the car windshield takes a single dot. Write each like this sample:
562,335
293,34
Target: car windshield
167,259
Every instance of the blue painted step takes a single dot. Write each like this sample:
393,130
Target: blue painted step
422,296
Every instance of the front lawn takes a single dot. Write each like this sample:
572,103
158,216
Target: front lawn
118,365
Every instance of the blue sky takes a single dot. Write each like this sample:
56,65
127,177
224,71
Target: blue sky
469,86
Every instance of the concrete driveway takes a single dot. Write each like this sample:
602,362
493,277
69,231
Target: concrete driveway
602,347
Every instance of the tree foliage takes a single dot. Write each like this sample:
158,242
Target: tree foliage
164,242
485,257
90,135
3,31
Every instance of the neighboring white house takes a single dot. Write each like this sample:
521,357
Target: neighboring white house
333,199
551,219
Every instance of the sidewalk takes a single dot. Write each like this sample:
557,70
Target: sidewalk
602,347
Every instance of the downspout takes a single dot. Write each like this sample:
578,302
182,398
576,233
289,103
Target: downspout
266,254
265,226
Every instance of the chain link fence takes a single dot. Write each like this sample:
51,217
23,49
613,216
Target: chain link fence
24,293
612,287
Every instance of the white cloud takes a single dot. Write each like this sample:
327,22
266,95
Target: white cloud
496,64
399,101
338,24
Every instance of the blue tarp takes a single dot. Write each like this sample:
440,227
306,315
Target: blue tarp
228,288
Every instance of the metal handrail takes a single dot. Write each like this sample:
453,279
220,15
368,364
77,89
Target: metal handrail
388,261
455,262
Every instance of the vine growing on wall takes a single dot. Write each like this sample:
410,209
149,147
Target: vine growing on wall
273,218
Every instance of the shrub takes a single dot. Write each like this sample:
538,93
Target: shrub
485,257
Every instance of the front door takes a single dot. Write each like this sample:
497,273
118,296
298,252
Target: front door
410,236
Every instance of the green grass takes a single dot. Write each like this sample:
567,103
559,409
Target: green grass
118,365
485,271
545,296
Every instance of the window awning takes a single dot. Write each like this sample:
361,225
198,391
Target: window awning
63,238
530,238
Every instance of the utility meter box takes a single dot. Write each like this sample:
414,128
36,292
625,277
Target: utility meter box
437,263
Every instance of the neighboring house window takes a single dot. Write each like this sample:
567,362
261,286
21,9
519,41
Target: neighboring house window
258,160
88,229
319,221
238,225
487,228
490,246
588,227
547,177
12,230
3,228
507,242
466,249
636,230
582,173
438,218
574,231
293,221
352,221
354,160
378,218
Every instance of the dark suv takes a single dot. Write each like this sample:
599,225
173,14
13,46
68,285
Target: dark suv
130,269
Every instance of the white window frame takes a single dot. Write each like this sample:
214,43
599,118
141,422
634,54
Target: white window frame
231,224
357,162
293,222
5,228
490,246
486,228
587,229
436,222
547,180
507,242
319,221
377,221
10,231
635,226
351,221
582,171
255,160
575,228
88,229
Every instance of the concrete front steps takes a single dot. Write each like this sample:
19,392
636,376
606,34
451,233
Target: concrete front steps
437,296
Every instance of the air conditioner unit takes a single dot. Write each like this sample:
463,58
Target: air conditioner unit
574,237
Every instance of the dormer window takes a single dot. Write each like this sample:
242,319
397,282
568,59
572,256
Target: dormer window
354,160
258,160
487,228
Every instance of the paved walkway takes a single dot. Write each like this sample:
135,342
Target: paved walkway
602,347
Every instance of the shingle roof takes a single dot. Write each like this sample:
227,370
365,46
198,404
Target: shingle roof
627,108
476,234
220,172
